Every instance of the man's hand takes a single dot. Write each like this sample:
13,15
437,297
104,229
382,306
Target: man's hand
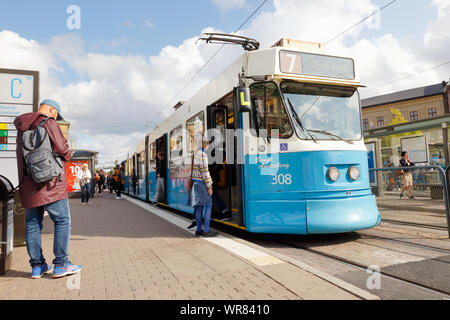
210,191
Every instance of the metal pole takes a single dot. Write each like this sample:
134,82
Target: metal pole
445,142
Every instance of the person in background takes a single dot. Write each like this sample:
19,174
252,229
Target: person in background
110,182
105,177
84,177
117,181
160,176
134,181
407,178
52,196
97,181
201,188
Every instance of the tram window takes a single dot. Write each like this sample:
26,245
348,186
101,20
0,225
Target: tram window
152,153
141,166
194,125
267,101
176,143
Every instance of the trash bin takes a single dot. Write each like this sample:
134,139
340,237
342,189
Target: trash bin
6,223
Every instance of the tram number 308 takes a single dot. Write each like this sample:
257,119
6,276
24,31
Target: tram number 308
281,179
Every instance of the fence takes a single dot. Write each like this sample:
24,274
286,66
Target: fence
429,201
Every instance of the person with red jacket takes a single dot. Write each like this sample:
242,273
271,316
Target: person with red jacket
51,196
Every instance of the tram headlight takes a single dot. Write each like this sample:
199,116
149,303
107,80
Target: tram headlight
333,174
353,173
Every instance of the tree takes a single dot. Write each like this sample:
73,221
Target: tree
397,118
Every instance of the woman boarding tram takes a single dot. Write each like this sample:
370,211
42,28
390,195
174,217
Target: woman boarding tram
294,154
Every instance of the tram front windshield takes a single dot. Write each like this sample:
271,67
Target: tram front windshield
326,112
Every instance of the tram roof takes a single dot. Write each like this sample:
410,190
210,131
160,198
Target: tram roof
261,63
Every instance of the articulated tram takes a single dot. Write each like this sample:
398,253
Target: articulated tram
292,153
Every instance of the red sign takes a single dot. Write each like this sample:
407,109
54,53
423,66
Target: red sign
72,169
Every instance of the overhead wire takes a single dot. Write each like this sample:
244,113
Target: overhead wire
204,65
407,76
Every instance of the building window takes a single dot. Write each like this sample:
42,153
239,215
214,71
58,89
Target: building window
365,124
413,116
432,113
380,122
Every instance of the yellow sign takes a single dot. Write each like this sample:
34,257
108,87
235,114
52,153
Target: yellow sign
243,102
3,126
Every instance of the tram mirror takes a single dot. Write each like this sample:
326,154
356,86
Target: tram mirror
243,99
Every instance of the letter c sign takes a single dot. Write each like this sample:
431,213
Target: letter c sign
19,95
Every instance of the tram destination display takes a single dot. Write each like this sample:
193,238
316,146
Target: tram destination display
316,65
18,95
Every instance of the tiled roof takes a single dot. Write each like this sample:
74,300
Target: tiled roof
420,92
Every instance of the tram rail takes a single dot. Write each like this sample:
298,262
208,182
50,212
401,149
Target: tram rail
336,239
366,267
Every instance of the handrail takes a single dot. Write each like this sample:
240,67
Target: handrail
446,183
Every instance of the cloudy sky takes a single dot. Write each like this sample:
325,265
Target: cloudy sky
114,75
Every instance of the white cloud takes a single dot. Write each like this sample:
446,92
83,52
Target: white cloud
117,95
149,24
229,4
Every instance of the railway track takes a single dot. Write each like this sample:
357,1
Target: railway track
365,267
388,253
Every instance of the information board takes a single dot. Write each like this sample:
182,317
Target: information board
416,147
19,94
72,169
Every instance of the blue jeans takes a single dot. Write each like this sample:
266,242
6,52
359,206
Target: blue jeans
198,210
59,212
85,192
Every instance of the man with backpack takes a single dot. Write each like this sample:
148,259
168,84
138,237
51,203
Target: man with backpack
41,152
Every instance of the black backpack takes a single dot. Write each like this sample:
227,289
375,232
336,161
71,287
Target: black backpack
41,163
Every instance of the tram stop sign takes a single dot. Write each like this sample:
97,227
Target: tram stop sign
19,94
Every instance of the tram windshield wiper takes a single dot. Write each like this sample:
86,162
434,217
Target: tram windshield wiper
333,135
258,119
298,121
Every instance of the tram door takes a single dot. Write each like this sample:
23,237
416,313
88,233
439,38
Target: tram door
161,145
227,198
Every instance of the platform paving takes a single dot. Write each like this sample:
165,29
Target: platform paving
129,253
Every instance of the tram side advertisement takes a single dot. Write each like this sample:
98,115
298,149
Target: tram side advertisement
72,169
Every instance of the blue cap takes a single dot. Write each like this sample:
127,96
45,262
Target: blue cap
54,104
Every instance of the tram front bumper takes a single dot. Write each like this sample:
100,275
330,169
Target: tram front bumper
342,215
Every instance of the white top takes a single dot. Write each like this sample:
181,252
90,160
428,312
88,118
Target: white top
84,175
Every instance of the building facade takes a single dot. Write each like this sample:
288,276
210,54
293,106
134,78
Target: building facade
395,120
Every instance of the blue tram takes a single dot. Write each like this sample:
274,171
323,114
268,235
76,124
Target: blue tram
287,148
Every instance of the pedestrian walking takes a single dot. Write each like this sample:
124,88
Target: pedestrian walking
110,182
104,178
100,182
117,181
407,178
201,188
50,195
84,177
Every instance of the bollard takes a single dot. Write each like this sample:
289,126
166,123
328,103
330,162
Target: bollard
7,223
